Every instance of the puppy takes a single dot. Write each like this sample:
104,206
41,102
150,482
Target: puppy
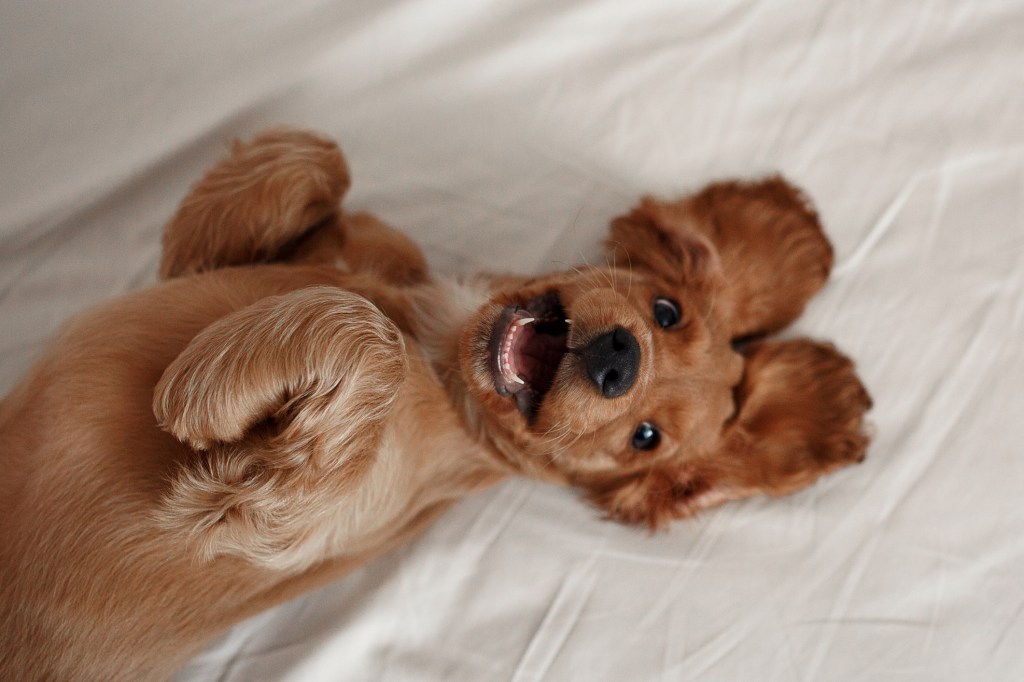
301,395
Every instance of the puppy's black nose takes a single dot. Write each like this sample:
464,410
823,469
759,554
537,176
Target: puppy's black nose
612,361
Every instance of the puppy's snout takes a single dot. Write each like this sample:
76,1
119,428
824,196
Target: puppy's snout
612,361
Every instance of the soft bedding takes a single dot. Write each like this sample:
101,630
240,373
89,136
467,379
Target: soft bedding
503,136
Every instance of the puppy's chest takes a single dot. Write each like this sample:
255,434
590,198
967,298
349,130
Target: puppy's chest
425,457
424,429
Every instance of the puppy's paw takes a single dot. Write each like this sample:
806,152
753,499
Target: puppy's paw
258,204
302,375
285,403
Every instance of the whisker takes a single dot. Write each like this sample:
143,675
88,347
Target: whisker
711,305
629,265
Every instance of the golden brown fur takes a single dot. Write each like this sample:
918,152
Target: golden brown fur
300,395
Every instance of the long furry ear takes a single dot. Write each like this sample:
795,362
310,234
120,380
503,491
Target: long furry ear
647,237
283,403
801,415
258,204
655,496
768,240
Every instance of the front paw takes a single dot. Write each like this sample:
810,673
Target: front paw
801,414
260,204
317,366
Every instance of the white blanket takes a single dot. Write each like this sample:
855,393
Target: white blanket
504,136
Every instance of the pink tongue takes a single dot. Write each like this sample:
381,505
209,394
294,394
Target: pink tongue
524,360
536,357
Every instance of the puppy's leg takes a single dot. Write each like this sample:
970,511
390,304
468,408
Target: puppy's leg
284,403
259,205
372,246
771,250
801,415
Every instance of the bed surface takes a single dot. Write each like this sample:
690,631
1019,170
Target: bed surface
504,136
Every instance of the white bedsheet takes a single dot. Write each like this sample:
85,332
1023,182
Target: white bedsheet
505,135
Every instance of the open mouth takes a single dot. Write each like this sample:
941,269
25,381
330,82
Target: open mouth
526,348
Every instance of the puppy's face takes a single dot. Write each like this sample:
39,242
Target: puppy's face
623,380
600,372
602,368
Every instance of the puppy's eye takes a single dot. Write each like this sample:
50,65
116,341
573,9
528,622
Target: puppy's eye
646,437
666,312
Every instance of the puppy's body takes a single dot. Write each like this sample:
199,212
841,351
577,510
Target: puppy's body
94,582
199,451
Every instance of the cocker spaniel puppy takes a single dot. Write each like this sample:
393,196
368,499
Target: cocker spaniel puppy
301,394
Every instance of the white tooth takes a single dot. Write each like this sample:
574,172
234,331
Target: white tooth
519,381
568,321
526,320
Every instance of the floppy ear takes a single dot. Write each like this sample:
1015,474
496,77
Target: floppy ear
283,403
801,415
772,253
647,237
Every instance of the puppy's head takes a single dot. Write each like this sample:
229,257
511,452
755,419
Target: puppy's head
606,370
623,380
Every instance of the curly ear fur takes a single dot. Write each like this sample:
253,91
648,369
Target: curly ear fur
768,244
284,403
648,238
801,415
258,204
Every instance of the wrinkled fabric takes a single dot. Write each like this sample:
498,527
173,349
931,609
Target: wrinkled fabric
505,136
